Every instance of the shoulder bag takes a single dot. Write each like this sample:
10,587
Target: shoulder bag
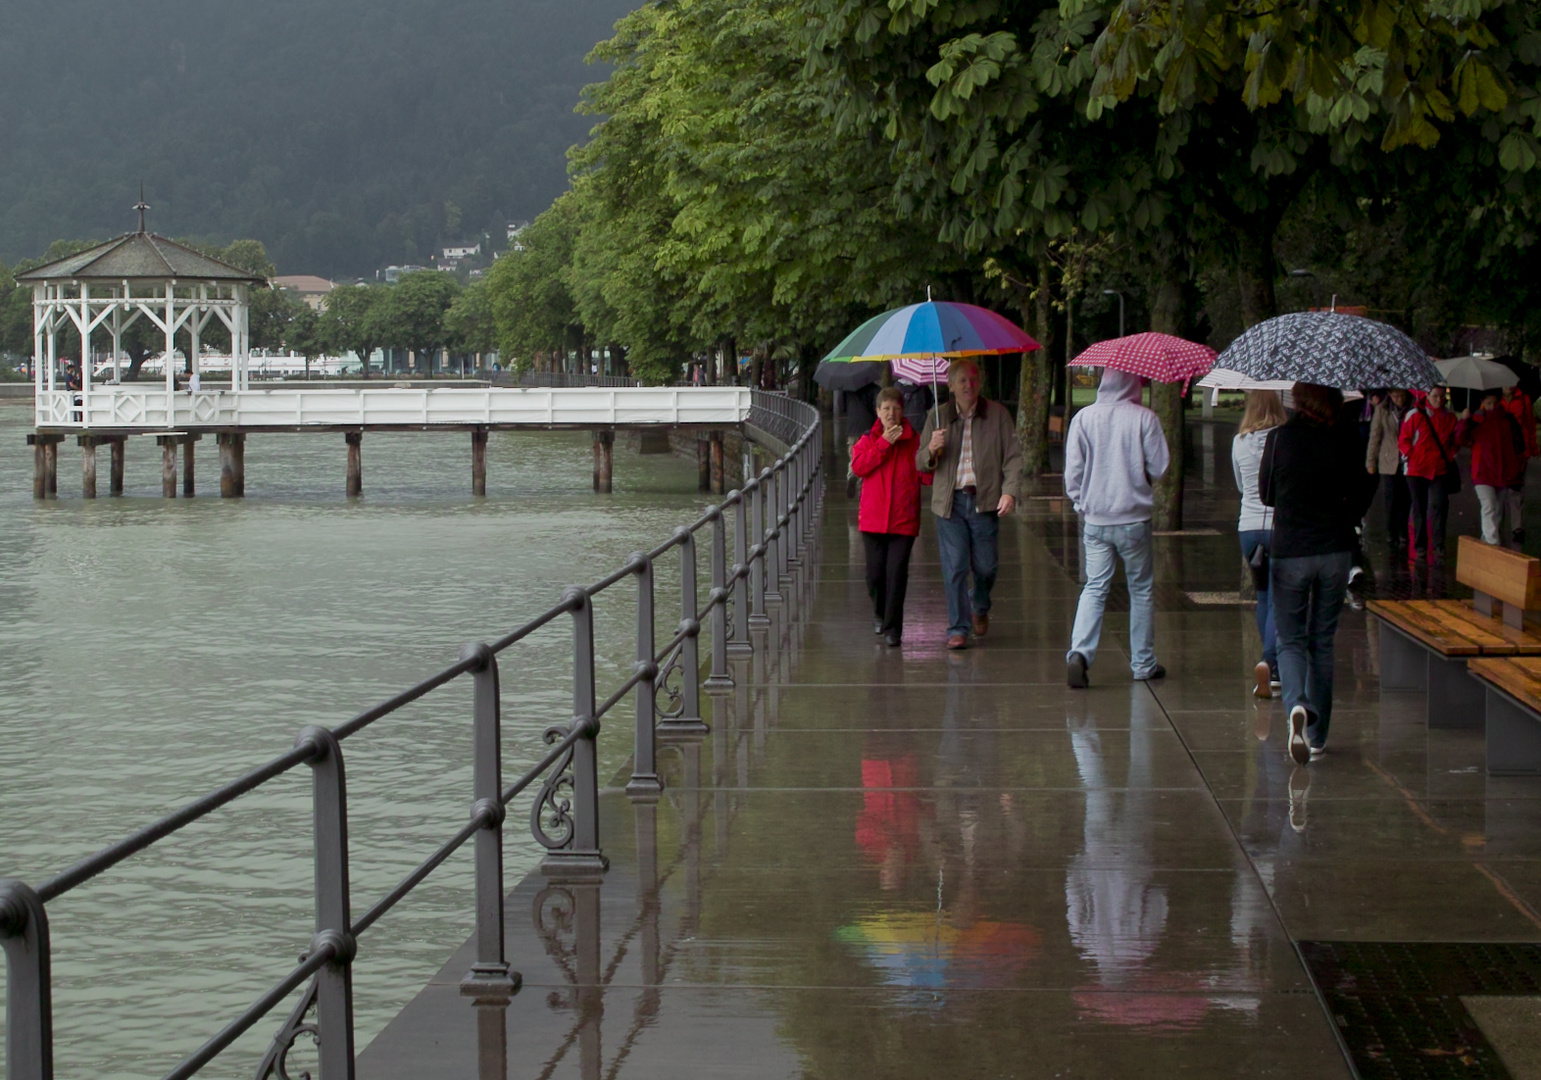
1450,479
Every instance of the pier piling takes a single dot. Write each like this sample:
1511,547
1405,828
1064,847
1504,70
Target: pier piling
232,464
117,443
719,485
187,465
45,464
604,459
168,445
479,461
355,440
87,466
703,465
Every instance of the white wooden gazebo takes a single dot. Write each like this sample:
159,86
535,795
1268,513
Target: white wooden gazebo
103,291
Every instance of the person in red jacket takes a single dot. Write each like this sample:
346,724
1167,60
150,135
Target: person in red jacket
889,516
1518,404
1427,442
1497,463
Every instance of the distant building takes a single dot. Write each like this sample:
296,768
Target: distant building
309,288
391,274
464,251
515,228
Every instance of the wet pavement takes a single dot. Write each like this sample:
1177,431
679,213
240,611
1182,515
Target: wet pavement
912,863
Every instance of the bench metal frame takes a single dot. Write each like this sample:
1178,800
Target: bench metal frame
1513,733
1455,699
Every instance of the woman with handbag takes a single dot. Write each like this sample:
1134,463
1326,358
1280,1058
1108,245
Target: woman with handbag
1255,528
1310,475
1427,441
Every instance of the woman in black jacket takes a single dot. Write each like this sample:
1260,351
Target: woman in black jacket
1311,475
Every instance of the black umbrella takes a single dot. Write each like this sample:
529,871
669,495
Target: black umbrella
1330,349
849,376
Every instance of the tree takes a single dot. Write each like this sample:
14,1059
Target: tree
350,321
411,314
470,323
721,202
532,304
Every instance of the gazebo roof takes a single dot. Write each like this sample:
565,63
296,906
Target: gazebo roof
139,256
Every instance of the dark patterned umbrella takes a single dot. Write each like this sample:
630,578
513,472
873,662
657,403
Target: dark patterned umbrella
1331,349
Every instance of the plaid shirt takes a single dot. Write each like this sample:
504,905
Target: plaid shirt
965,474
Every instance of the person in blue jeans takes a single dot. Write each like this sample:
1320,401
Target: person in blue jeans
1310,475
1255,526
970,448
1114,451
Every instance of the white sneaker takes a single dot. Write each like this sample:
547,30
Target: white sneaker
1300,750
1317,751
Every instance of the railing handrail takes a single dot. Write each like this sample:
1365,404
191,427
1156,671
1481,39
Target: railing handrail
784,500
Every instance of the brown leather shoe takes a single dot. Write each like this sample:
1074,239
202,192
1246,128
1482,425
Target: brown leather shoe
981,623
957,641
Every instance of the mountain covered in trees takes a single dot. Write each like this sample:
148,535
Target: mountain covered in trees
343,134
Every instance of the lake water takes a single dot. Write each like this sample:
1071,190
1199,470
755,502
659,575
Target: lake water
151,649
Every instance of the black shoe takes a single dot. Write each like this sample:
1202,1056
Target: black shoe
1075,674
1519,536
1157,672
877,626
893,639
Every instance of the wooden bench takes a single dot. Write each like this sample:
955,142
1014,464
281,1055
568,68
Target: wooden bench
1512,685
1427,645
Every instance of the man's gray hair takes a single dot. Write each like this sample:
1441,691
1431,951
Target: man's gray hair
964,363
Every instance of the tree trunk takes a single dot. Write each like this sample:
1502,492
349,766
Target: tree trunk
1256,269
137,355
1036,387
1171,313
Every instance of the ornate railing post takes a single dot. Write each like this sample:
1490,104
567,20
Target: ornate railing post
774,554
688,723
739,645
644,783
719,678
577,856
334,982
29,1041
758,619
489,974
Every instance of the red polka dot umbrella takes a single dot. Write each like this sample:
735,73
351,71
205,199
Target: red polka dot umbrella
1160,357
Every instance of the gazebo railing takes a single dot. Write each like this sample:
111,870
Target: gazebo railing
774,514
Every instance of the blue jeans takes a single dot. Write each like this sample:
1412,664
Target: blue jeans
1307,598
967,542
1132,544
1251,538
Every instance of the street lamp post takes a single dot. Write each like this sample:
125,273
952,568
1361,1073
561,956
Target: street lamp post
1118,293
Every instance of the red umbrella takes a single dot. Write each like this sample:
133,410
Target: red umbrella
1161,357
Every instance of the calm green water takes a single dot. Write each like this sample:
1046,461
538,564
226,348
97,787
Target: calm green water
152,649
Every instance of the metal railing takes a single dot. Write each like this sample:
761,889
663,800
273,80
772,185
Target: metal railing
774,516
562,379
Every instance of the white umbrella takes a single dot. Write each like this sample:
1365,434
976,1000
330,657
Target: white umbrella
1476,373
1225,379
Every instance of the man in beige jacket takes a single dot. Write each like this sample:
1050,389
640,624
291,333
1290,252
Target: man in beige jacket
976,460
1383,459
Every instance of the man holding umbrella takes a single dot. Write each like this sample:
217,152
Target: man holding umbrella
970,446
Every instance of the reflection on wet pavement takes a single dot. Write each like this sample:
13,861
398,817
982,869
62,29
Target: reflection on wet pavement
912,863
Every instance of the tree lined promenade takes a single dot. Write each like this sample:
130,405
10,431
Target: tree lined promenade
763,175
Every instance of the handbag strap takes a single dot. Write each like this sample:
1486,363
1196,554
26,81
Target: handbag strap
1434,431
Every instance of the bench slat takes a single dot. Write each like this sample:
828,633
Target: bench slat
1519,675
1489,640
1525,642
1409,620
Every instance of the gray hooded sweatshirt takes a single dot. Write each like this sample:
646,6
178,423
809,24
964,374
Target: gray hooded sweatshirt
1114,451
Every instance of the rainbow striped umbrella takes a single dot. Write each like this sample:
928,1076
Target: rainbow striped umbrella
932,329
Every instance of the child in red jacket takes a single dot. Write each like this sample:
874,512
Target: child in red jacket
889,517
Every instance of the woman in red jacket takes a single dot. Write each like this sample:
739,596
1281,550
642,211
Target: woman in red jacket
889,518
1427,444
1497,463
